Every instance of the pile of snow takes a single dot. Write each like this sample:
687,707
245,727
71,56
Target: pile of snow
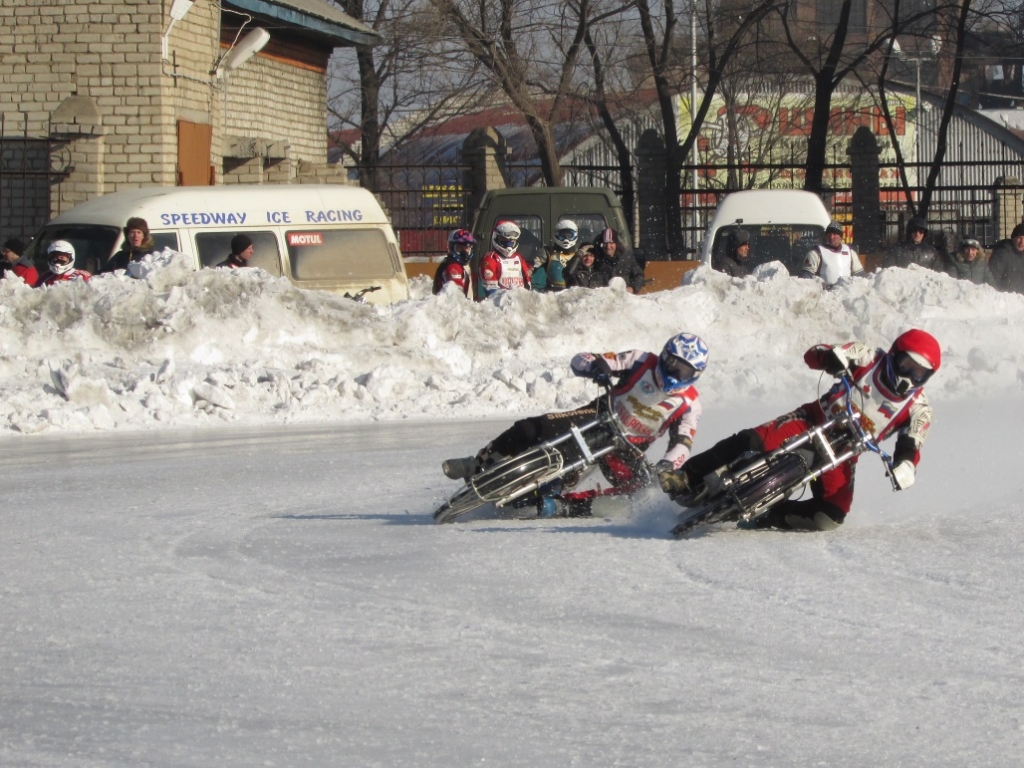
183,348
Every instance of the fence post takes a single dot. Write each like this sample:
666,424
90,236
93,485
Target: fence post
1007,200
651,160
867,212
484,151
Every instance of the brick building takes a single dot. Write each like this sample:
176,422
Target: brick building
96,97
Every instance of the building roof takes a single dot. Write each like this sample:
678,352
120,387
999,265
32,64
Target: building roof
315,16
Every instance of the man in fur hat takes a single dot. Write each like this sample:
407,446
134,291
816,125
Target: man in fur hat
138,243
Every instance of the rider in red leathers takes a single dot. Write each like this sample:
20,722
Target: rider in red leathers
889,394
503,267
60,260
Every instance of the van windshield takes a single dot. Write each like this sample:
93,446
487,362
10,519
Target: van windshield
339,254
788,243
93,244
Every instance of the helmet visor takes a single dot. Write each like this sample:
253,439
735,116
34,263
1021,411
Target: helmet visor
505,242
908,367
57,257
676,370
567,234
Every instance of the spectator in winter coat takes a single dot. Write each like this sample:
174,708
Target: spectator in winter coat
915,249
138,243
969,264
1007,262
615,261
833,260
737,262
11,262
60,258
583,272
241,252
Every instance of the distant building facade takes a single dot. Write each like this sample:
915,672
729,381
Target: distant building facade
101,97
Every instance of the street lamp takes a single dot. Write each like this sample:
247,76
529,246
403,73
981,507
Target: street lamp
934,46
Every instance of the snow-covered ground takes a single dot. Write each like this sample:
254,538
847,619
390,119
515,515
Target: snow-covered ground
217,545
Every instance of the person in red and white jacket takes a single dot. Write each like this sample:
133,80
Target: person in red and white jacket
455,266
655,395
60,260
891,399
503,268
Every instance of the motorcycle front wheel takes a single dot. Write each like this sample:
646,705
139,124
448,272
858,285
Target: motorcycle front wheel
502,482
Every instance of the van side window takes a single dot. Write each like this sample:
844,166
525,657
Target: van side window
163,240
214,247
332,254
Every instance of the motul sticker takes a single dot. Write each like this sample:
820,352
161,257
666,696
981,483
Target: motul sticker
305,238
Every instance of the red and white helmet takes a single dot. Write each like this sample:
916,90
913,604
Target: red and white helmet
912,359
505,237
60,257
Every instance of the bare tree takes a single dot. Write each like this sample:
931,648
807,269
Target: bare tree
660,29
510,39
409,80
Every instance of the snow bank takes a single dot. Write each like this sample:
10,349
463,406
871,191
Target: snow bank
183,348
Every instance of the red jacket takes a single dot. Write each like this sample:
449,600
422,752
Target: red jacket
500,273
49,278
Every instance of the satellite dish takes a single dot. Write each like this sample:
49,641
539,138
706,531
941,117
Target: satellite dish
245,50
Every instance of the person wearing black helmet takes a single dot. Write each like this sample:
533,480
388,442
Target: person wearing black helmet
968,263
915,249
737,261
833,260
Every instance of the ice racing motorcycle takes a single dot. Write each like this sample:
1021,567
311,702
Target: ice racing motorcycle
750,486
563,461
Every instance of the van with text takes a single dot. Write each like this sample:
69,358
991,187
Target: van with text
320,236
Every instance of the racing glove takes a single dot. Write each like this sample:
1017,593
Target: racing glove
903,474
835,362
672,481
601,372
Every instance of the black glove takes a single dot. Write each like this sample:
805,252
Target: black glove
835,363
601,372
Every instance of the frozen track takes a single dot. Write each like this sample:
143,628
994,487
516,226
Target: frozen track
281,597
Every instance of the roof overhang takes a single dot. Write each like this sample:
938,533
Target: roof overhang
314,16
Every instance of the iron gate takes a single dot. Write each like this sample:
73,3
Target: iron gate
30,167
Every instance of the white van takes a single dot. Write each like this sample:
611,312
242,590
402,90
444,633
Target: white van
329,237
783,224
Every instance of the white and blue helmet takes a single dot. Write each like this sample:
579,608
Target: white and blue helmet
567,234
682,361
